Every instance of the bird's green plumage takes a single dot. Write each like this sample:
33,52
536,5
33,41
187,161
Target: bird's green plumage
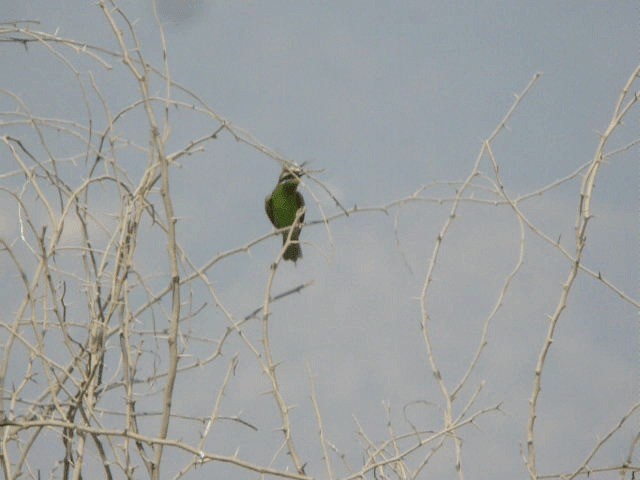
282,206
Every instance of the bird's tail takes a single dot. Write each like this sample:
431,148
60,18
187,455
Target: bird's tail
293,251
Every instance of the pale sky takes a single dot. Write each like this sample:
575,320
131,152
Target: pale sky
386,97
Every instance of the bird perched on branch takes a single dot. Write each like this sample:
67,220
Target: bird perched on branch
282,207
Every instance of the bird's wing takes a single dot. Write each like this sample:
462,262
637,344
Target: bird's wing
300,200
268,207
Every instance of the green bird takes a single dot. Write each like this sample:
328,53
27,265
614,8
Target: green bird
282,207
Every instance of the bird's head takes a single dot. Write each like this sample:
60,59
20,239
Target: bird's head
290,175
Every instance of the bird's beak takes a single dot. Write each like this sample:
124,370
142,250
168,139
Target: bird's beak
295,171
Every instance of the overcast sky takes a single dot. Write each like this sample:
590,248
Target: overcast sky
386,97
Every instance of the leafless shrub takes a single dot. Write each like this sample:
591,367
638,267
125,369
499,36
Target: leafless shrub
104,330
